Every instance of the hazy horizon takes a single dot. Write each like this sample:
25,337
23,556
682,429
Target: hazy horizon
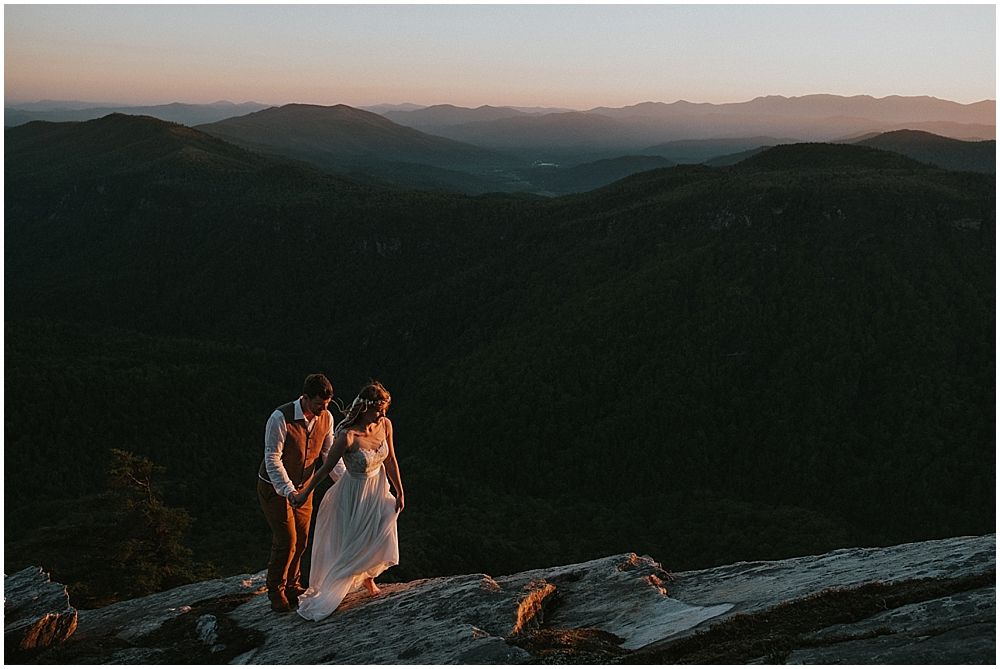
109,103
555,56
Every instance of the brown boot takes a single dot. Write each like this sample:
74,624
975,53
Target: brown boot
292,593
279,603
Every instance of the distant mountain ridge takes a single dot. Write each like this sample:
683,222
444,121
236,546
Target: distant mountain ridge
568,155
451,115
345,139
891,109
340,131
637,127
382,108
176,112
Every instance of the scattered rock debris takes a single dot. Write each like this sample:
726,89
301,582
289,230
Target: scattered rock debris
204,634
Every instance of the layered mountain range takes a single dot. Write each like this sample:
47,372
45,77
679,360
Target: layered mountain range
345,139
552,152
187,114
780,357
809,118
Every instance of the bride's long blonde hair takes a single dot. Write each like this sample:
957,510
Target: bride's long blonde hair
372,393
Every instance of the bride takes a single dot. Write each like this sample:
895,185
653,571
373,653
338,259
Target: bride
354,536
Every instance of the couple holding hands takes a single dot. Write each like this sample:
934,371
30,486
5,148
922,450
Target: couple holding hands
354,538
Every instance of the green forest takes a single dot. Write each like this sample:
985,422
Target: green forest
702,364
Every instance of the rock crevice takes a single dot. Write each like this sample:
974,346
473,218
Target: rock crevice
36,613
932,599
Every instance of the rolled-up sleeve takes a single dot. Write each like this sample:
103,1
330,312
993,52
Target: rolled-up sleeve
274,441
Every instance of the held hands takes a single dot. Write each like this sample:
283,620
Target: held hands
298,498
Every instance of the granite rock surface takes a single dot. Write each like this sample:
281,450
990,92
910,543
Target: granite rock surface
36,613
626,602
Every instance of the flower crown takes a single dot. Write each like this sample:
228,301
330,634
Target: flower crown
365,403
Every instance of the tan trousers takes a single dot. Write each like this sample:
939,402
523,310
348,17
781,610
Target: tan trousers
290,530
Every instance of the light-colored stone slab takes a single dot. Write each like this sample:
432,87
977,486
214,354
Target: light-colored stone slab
469,619
755,586
464,619
36,612
431,621
625,594
133,618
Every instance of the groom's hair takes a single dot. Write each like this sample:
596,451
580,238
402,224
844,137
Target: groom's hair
316,385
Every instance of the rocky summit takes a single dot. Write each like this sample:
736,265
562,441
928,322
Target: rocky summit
927,602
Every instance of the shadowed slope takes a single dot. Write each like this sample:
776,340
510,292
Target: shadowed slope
945,152
341,134
813,341
588,176
827,156
118,143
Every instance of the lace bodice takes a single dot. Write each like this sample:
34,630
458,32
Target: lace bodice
365,461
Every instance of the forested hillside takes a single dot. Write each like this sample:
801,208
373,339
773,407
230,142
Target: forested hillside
785,356
951,154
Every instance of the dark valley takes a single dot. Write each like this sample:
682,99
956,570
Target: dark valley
775,357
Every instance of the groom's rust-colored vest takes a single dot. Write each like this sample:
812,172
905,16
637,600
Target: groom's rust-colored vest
301,448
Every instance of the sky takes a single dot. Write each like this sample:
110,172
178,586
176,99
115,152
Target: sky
524,55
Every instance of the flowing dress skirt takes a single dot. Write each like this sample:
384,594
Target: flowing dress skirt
354,538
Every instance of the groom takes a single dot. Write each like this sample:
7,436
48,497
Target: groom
296,434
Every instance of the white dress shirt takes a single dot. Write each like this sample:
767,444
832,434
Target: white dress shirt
274,440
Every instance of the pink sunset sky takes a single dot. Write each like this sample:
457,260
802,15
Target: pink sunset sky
574,56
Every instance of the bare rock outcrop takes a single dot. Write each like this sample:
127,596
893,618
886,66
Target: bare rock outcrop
185,625
930,601
36,613
472,619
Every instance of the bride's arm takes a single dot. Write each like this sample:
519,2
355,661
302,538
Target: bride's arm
392,467
340,446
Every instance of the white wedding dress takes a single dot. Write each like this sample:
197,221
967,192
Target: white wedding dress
354,536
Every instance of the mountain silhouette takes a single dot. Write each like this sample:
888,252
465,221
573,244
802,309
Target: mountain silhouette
438,115
383,108
632,129
120,144
951,154
177,112
892,109
340,135
808,156
367,147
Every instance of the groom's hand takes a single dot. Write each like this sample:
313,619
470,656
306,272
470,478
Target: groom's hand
295,500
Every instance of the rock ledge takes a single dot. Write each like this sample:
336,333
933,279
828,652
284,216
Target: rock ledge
36,613
935,599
